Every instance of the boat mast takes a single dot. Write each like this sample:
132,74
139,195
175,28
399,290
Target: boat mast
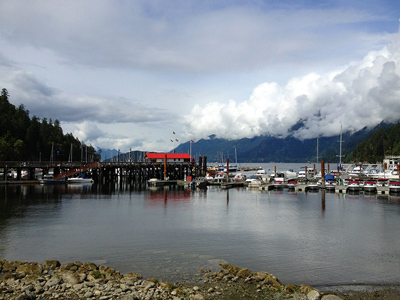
340,148
51,155
70,154
317,149
235,156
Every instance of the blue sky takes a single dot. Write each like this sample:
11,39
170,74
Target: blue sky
127,74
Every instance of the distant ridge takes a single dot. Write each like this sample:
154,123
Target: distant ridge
272,149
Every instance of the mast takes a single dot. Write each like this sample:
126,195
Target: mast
235,156
70,154
317,149
51,155
340,148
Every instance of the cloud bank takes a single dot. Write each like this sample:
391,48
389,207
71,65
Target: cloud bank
362,94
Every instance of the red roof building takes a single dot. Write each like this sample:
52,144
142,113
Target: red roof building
171,157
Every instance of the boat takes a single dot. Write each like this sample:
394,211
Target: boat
382,182
290,174
292,184
239,177
199,182
254,181
370,186
209,178
49,179
221,177
313,186
330,184
394,187
80,179
353,185
260,172
278,182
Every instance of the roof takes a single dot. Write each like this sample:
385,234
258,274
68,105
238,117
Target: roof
169,155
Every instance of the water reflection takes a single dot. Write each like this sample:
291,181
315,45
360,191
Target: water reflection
171,232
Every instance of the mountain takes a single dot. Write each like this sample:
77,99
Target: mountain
272,149
113,155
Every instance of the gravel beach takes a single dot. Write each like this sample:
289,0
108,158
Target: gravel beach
53,280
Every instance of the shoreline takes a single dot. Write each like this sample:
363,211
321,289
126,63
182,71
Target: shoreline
53,280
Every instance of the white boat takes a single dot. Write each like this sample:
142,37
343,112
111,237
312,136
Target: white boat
49,179
353,185
79,180
209,178
254,181
313,186
290,174
221,177
382,182
239,177
330,184
260,172
357,171
292,184
370,186
278,182
394,187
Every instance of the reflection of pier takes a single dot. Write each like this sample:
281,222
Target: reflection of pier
101,172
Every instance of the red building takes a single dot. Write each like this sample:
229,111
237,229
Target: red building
171,158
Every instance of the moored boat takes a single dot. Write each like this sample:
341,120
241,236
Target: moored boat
221,177
239,177
313,186
278,183
382,182
370,186
49,179
330,184
394,187
353,185
79,180
292,184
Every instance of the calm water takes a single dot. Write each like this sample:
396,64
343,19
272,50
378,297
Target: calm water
171,233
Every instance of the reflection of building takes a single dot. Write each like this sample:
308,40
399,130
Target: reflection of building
171,158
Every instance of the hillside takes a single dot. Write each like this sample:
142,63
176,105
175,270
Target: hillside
271,149
26,138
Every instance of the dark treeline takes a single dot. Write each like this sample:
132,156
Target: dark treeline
33,139
382,142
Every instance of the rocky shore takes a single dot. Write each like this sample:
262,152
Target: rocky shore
53,280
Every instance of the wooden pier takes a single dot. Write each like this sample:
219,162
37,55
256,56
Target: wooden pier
101,172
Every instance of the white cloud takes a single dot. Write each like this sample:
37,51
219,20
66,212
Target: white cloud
362,94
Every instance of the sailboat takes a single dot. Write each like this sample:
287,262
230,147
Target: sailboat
232,168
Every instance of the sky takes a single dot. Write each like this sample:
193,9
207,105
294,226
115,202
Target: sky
149,75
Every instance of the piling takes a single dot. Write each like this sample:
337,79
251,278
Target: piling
323,173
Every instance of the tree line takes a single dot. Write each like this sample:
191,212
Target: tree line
23,138
382,142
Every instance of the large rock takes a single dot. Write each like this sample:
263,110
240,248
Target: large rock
68,276
243,273
2,261
313,295
11,266
30,269
51,264
231,269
